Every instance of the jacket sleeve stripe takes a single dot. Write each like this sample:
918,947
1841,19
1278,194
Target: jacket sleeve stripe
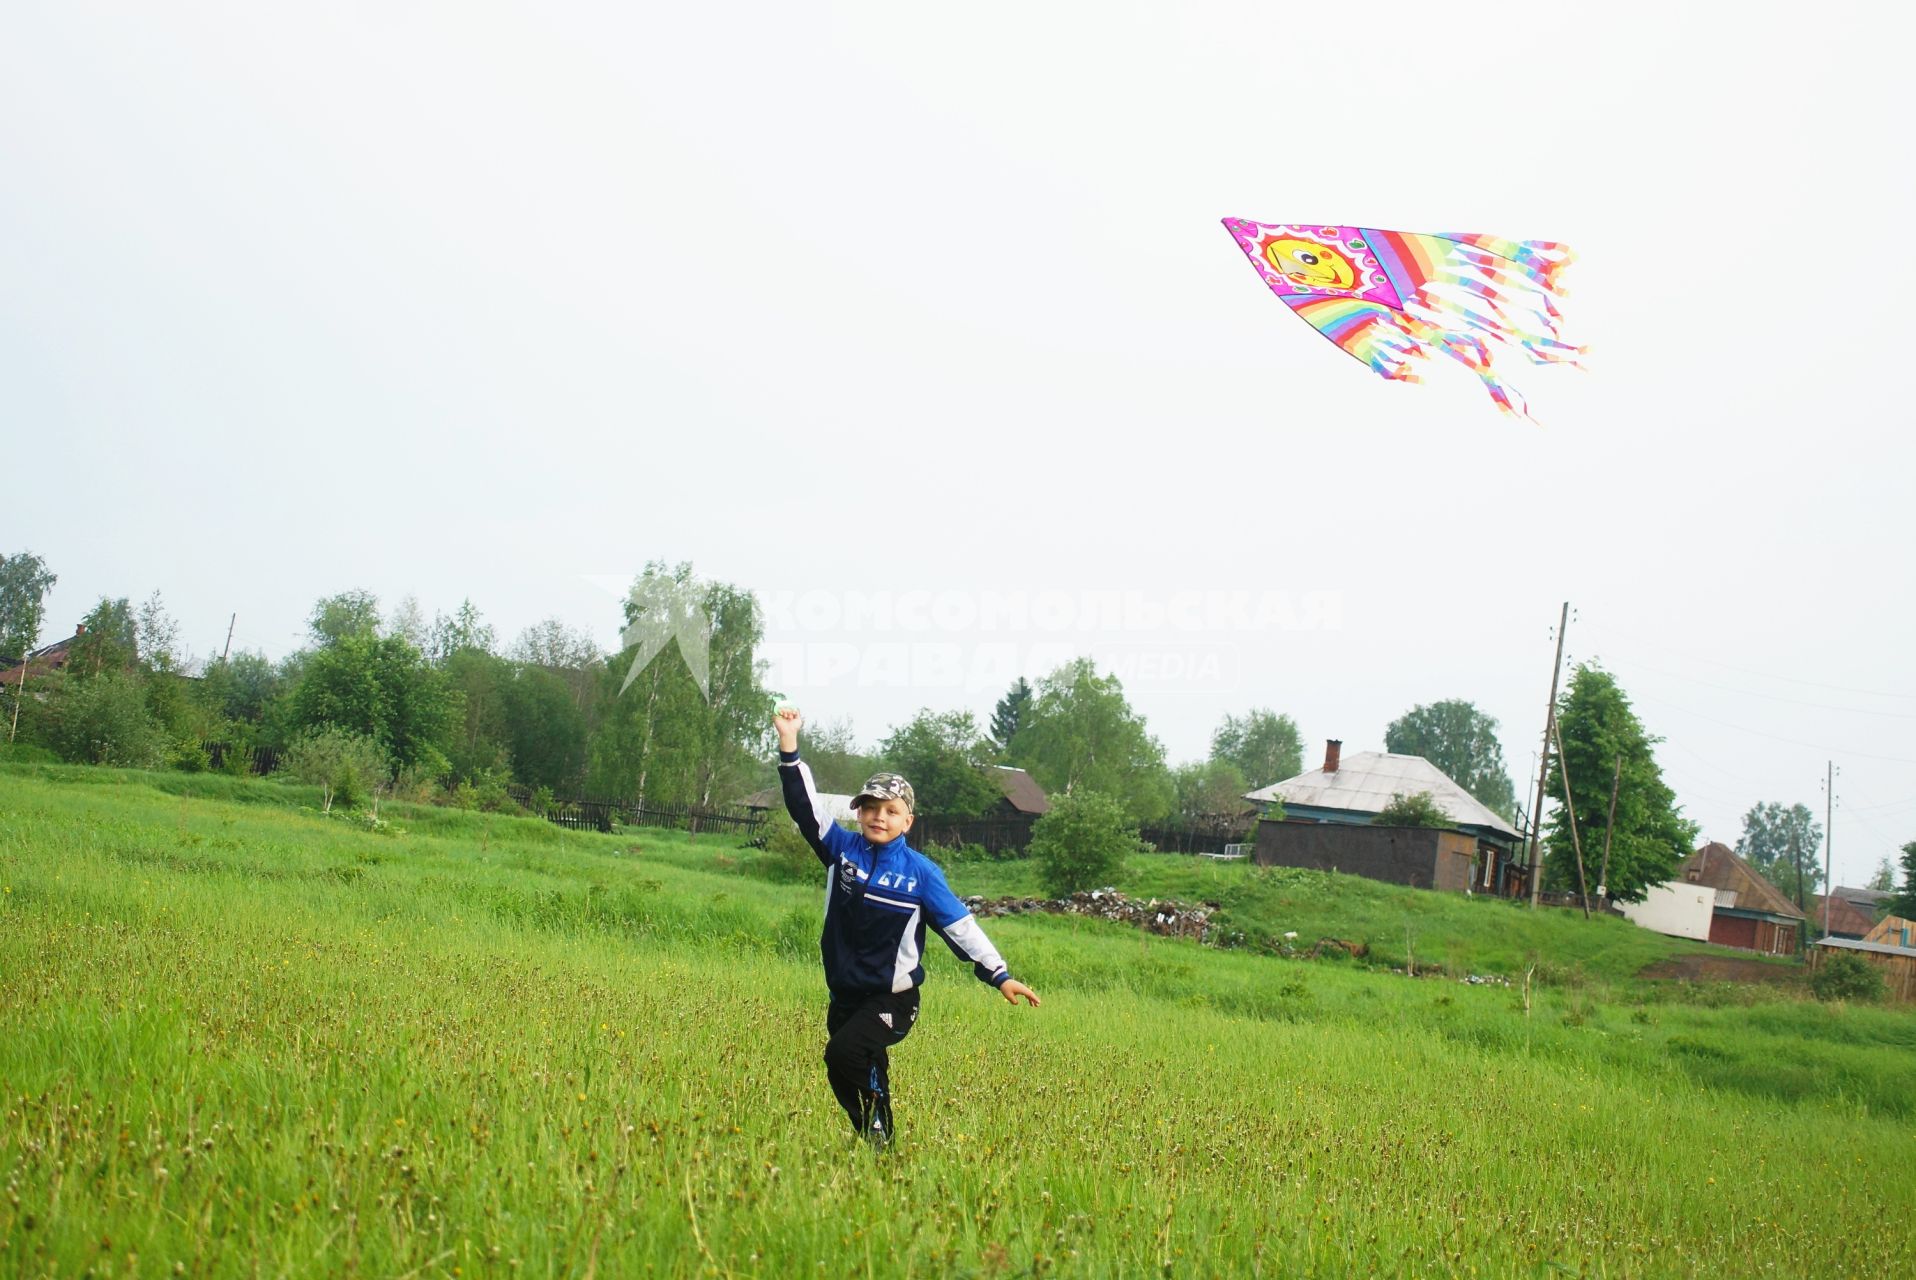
802,802
969,942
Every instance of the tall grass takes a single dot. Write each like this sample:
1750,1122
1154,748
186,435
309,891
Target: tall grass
240,1038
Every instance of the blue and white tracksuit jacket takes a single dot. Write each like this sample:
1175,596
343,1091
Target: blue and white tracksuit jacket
879,901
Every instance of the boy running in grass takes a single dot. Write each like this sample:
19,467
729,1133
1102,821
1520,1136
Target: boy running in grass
882,894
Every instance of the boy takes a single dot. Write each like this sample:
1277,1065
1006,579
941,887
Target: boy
881,895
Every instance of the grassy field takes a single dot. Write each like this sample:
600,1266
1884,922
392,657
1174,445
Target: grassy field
240,1038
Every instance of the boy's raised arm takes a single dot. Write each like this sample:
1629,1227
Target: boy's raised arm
801,797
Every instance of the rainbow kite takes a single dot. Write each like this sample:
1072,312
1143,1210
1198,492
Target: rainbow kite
1388,297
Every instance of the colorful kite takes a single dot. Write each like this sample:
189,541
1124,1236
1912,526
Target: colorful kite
1387,297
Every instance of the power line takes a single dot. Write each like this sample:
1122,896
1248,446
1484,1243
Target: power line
1775,737
1773,697
1751,671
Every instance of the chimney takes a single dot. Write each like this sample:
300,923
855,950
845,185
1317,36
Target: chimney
1333,747
79,630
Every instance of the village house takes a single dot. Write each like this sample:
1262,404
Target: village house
40,663
1747,911
1835,916
1329,815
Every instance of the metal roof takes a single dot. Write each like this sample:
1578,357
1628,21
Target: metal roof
1366,781
1880,948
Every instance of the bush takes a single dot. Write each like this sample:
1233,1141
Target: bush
1420,810
23,753
788,855
236,759
1846,976
189,756
946,855
346,767
102,720
486,792
1082,842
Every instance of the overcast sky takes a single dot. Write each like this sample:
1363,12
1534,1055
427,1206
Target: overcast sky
846,302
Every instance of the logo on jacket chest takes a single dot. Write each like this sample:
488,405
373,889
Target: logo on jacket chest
849,876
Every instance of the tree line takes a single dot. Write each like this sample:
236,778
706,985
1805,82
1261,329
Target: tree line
442,706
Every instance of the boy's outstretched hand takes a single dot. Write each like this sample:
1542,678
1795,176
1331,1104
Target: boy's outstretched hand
786,721
1011,989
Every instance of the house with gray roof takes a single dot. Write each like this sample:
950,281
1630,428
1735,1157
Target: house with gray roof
1329,823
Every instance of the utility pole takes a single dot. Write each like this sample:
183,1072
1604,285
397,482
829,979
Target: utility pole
1543,765
229,637
1570,808
1829,835
1610,825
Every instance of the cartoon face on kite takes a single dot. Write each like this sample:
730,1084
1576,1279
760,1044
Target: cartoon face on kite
1310,264
1390,297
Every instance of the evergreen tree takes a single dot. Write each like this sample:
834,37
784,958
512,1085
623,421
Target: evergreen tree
1904,903
1010,715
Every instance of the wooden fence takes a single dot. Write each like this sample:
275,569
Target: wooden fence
997,835
1191,839
609,815
264,761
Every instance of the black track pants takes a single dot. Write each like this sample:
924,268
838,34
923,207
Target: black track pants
863,1029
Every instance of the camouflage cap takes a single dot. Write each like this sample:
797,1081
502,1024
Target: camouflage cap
886,786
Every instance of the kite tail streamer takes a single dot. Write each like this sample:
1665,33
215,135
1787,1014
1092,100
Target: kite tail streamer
1501,289
1471,352
1544,261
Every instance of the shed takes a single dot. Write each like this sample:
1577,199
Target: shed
1897,964
1893,931
1750,912
1676,907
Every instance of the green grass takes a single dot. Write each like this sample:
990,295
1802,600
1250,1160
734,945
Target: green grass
1461,934
240,1038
